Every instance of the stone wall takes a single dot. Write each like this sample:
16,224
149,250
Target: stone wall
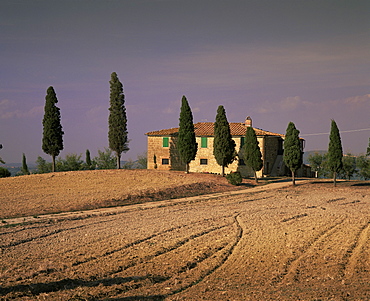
205,162
155,147
272,146
212,166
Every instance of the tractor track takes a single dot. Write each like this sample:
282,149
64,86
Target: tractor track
292,264
352,257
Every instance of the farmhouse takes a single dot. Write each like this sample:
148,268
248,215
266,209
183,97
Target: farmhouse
163,153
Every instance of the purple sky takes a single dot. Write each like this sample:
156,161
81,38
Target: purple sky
276,61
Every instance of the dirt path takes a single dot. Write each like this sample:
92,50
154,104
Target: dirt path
119,209
311,242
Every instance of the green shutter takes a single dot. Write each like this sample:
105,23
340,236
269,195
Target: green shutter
242,141
165,141
203,142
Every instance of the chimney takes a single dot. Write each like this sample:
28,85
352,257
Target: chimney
248,121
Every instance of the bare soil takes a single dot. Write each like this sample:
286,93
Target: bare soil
273,242
82,190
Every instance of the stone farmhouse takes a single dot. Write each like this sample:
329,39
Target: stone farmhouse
162,148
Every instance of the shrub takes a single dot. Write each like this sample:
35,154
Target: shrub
142,161
234,178
105,159
71,162
4,173
42,166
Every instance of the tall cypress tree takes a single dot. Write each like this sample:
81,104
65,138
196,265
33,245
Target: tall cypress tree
335,151
24,168
117,134
1,160
223,144
252,152
88,160
186,143
293,155
52,140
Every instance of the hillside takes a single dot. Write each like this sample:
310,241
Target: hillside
81,190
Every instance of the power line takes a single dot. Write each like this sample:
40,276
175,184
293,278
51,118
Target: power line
349,131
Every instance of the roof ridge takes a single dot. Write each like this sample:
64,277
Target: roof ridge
205,128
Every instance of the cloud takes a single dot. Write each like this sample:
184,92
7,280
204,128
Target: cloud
96,112
168,110
358,100
288,104
4,104
7,111
35,111
358,103
173,107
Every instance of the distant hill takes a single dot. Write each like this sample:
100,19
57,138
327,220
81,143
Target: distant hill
15,168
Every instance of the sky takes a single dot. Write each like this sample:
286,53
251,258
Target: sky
276,61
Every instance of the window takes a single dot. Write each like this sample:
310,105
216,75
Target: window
280,147
203,142
203,161
241,162
165,142
165,161
242,141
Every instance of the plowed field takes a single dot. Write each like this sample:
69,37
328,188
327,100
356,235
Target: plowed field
309,242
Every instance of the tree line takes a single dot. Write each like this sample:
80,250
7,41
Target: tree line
52,141
333,164
104,160
225,153
352,165
52,136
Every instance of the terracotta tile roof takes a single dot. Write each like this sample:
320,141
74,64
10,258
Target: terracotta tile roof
206,129
167,132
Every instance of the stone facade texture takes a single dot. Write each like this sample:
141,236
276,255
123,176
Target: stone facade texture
167,156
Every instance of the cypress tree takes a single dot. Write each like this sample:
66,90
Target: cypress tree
88,160
223,144
335,151
52,140
186,143
1,160
293,155
252,152
368,149
155,161
117,134
24,169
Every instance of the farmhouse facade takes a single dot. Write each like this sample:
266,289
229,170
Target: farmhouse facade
163,153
